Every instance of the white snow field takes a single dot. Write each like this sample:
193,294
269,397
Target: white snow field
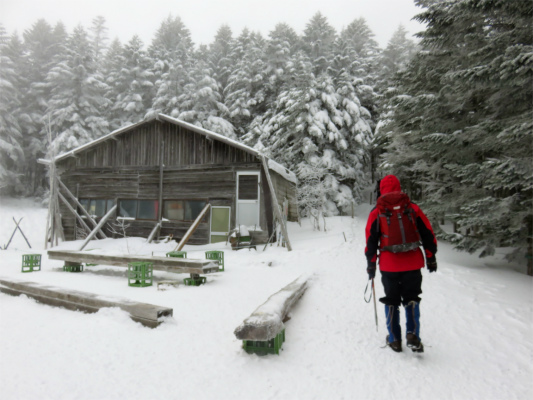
476,317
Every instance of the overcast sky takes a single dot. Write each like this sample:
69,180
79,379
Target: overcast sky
203,18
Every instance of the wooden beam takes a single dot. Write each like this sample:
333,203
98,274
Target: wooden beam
99,226
268,319
84,212
147,314
275,204
73,211
168,264
154,231
193,227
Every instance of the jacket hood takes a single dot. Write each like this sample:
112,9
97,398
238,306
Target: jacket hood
389,184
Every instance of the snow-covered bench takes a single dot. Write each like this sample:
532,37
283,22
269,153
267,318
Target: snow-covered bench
147,314
169,264
264,330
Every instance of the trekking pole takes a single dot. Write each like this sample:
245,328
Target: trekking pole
372,294
375,308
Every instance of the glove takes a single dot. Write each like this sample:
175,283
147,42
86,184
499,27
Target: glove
432,265
371,270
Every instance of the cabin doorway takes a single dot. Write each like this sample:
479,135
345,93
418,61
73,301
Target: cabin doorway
248,190
220,223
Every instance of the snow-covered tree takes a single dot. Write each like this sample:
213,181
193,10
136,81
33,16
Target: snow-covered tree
461,128
11,138
76,107
99,38
171,53
316,124
200,103
133,85
245,93
318,39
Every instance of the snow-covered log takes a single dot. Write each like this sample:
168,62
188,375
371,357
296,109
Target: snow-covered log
267,320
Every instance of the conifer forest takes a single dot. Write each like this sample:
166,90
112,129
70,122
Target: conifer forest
448,111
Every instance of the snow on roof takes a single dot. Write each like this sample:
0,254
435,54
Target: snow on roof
274,166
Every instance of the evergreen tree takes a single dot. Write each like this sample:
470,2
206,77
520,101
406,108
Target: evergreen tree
220,62
171,52
200,103
245,94
112,65
11,143
43,46
318,39
99,38
316,125
134,85
75,110
461,129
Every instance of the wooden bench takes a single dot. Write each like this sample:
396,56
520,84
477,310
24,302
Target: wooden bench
264,330
147,314
168,264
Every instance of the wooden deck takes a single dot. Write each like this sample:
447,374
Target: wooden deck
169,264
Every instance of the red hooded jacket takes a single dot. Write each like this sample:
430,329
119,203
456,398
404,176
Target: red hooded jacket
398,262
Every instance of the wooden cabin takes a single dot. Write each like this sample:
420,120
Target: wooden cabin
164,169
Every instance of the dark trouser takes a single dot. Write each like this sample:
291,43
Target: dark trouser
402,288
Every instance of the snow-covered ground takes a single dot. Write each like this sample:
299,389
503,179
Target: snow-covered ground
477,320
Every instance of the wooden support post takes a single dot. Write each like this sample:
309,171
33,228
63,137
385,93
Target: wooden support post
100,224
154,231
84,212
193,227
275,204
73,211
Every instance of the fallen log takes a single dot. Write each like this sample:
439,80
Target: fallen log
268,319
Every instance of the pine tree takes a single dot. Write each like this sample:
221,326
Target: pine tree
318,39
75,110
316,125
134,84
11,139
220,62
171,52
99,38
245,94
200,103
43,46
112,65
461,129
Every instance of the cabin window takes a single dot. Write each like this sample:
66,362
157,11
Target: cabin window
183,210
127,208
97,207
147,209
138,209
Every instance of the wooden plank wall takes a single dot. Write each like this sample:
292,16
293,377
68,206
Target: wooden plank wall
285,189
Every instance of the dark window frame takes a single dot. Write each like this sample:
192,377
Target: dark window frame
204,200
108,204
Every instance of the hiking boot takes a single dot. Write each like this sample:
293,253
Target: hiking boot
396,345
414,343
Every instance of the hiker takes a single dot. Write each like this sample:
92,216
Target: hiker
395,230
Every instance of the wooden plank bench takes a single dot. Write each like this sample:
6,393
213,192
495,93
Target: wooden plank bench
265,326
147,314
168,264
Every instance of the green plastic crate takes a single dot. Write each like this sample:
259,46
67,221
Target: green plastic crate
216,255
31,262
140,274
73,267
177,254
272,346
195,280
